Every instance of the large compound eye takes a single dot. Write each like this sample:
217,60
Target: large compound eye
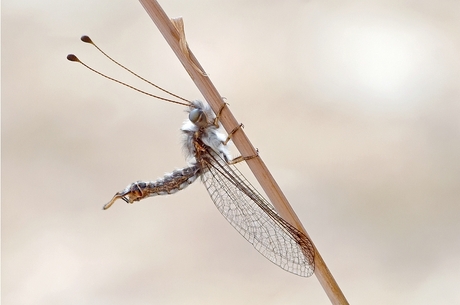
194,115
197,117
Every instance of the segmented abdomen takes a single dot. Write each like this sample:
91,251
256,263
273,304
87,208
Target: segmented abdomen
169,184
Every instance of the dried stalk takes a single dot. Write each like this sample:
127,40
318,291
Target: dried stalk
173,32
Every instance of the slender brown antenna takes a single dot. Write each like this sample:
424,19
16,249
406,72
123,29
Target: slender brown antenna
86,39
72,57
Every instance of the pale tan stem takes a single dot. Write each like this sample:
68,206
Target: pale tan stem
175,36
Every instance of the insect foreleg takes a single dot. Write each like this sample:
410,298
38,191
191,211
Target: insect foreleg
216,119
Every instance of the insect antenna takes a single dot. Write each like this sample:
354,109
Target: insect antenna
86,39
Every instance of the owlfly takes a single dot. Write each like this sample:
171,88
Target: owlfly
240,203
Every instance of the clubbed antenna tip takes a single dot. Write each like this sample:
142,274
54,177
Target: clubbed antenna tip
72,57
86,39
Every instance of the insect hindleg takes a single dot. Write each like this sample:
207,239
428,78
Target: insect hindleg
242,158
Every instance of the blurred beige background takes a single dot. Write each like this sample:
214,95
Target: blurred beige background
353,106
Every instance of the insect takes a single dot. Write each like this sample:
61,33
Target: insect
209,160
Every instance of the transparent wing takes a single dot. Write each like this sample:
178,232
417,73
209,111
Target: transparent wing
255,218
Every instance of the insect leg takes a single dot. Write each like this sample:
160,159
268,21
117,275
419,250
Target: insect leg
232,132
242,158
216,119
216,124
229,137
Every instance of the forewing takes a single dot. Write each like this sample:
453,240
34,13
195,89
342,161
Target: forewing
255,218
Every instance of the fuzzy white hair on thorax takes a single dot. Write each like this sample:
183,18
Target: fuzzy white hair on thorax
209,134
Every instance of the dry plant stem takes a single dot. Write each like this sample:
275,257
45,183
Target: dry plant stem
175,36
